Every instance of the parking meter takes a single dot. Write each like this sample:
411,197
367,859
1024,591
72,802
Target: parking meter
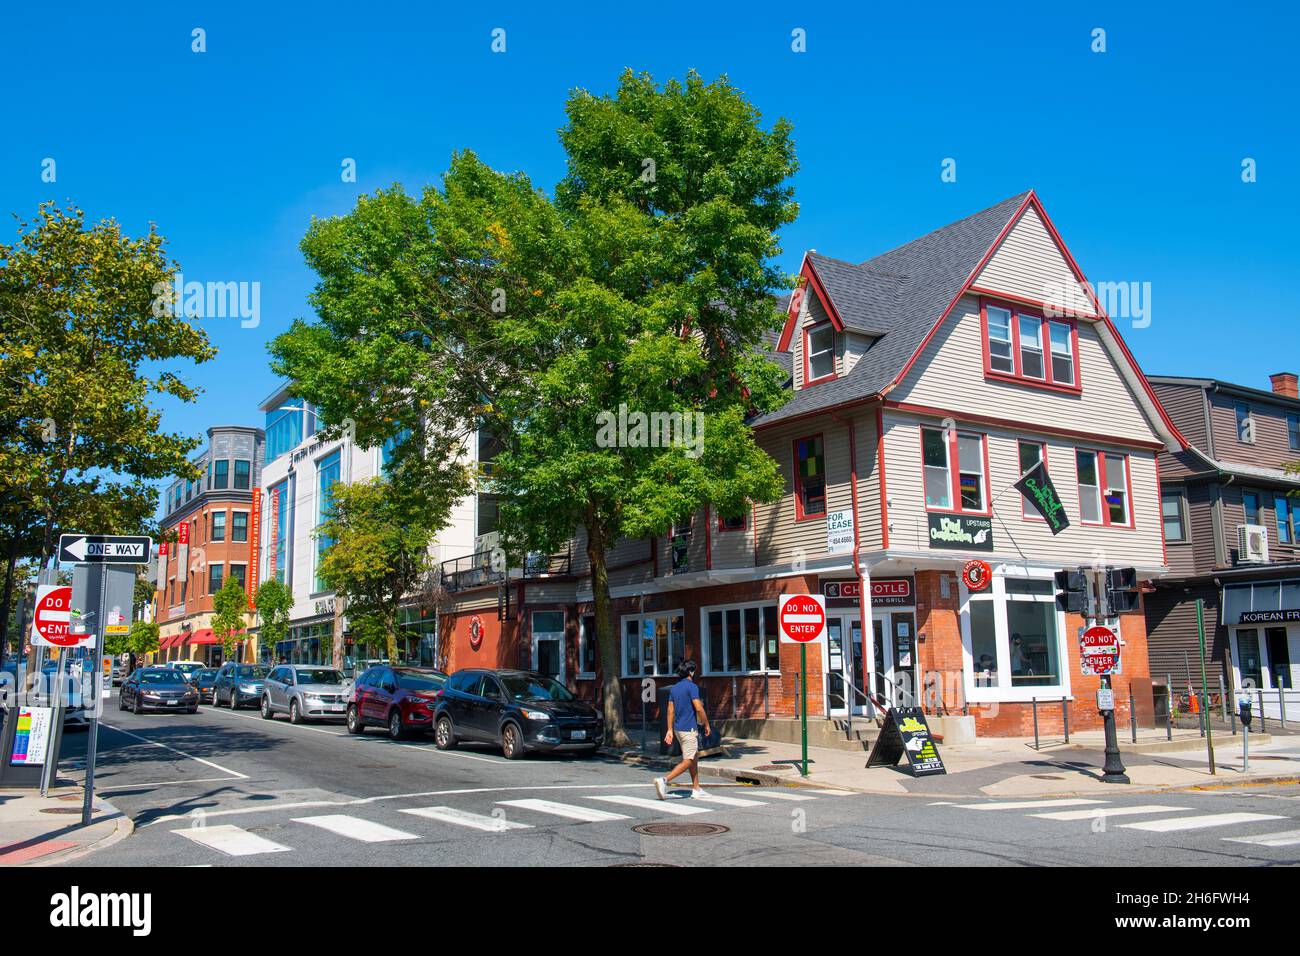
1243,704
1245,714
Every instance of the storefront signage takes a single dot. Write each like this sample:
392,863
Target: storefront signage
32,737
961,532
1099,651
976,575
839,531
887,592
271,556
1036,485
254,548
906,733
475,632
1285,616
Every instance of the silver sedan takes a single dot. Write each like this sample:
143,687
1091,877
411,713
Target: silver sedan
305,692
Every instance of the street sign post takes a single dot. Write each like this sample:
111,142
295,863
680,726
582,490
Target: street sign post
104,549
802,621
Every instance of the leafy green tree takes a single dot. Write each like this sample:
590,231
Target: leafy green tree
229,607
274,602
141,639
378,554
646,283
87,337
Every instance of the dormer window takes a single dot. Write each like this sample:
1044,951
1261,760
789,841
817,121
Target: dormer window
819,353
1025,346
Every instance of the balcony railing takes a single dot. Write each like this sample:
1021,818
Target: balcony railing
476,570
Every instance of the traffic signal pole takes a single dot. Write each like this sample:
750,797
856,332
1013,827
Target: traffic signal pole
1112,770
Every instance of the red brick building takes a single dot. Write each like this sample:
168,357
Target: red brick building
925,382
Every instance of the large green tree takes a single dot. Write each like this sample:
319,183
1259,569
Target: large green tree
274,601
87,338
644,284
229,606
377,554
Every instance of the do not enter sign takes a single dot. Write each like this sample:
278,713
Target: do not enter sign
52,618
802,618
1099,651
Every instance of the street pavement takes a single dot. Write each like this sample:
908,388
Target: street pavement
224,788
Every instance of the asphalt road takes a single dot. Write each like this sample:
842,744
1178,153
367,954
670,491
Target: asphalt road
230,789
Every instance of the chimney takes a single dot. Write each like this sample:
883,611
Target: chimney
1284,383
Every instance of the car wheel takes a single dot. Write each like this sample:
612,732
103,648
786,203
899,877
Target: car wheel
234,701
295,715
355,726
266,708
121,702
512,742
444,735
137,709
395,729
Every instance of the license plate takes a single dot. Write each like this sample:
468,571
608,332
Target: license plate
172,703
579,735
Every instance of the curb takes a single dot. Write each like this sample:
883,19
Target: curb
123,827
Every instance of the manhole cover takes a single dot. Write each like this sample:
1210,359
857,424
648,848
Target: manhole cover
61,810
680,829
774,766
1047,776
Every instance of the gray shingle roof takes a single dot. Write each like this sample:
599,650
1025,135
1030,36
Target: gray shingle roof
897,296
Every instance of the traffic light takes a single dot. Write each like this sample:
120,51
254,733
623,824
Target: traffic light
1072,591
1121,594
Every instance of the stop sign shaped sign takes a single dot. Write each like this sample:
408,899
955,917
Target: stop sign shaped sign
1099,651
52,617
802,618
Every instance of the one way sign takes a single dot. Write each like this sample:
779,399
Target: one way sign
104,549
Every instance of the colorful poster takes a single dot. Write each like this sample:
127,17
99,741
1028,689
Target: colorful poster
32,738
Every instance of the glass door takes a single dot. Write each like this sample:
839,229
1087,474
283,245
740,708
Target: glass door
836,688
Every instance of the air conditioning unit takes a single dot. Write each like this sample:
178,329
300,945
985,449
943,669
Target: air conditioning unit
1252,544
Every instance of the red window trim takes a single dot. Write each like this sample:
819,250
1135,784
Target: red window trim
1017,376
807,333
744,519
1028,511
1101,489
798,481
954,473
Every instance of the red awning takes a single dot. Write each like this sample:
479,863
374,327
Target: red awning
168,642
205,636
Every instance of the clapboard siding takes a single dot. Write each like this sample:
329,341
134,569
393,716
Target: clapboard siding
780,538
1271,448
1029,264
950,375
1173,642
1185,405
849,346
1015,537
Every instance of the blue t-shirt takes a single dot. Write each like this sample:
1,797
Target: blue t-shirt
683,694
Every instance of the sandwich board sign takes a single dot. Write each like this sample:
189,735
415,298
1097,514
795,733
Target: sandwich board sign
907,734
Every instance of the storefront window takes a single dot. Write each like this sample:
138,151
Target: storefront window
588,651
1014,636
740,640
653,644
1252,672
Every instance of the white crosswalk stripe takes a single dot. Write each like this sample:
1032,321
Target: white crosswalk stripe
464,818
1026,804
1283,838
586,814
708,796
1107,812
231,840
1200,822
776,793
676,807
355,828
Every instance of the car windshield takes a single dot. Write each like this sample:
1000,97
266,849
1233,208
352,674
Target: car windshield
320,675
534,687
420,680
160,677
188,668
257,673
206,674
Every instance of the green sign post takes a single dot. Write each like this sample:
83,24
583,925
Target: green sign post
802,620
803,701
1205,692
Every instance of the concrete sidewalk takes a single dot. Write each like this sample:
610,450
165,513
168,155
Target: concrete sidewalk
1010,767
40,831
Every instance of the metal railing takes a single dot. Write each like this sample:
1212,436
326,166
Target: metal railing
478,569
1065,716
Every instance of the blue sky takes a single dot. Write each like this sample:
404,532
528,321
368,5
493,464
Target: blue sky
1136,152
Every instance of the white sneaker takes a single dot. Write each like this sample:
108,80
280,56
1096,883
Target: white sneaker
661,788
698,792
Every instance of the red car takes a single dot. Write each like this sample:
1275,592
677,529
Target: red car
400,699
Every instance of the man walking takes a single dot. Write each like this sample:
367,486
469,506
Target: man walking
685,718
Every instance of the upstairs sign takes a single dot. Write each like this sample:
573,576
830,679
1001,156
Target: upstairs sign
104,549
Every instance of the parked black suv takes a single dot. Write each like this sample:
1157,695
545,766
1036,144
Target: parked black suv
518,711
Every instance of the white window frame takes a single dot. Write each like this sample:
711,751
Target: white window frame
814,355
641,618
230,572
1003,691
707,655
535,636
1068,354
1009,341
230,527
947,470
1037,347
1179,497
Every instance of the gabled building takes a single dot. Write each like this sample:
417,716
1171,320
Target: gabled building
1232,523
925,382
216,522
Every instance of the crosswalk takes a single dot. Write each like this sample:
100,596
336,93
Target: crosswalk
1162,821
508,815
